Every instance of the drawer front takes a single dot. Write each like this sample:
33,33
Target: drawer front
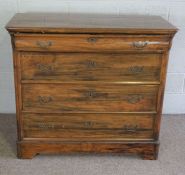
89,43
88,126
89,98
90,67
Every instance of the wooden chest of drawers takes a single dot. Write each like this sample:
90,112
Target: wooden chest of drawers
89,83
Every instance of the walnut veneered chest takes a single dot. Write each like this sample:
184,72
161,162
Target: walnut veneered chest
89,83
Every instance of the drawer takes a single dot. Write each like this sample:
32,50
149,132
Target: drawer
90,43
88,126
67,67
89,97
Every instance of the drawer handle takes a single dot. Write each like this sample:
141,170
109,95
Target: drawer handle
46,126
136,69
131,129
140,44
88,124
44,99
133,99
44,45
44,68
92,40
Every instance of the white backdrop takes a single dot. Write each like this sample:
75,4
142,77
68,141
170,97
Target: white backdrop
172,10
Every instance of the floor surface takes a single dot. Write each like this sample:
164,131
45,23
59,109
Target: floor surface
171,159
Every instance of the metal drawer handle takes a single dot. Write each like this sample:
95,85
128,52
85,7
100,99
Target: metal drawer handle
45,68
44,45
92,40
46,126
140,44
131,129
44,99
136,69
133,99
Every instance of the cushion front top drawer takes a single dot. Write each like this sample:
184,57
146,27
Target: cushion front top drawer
88,126
89,43
89,98
68,67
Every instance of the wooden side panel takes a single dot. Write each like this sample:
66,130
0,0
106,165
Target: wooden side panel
90,67
17,85
89,98
161,95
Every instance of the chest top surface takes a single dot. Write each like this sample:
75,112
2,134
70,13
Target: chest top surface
78,23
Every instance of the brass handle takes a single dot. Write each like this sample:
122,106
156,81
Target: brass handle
136,69
44,45
46,126
131,129
92,40
140,44
133,99
44,68
44,99
88,124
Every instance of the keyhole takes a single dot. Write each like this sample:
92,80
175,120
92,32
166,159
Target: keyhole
91,64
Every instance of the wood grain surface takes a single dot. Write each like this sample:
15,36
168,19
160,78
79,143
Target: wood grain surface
90,42
113,67
147,150
89,23
89,126
89,98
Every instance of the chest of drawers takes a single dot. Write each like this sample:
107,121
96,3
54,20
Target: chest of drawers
89,83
